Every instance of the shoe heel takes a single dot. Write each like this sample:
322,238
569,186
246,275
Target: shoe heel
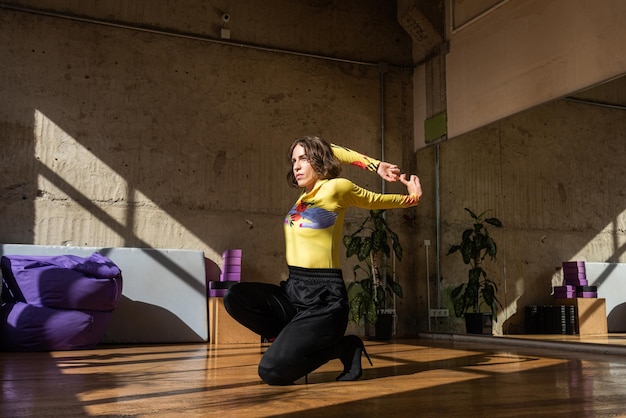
367,356
352,363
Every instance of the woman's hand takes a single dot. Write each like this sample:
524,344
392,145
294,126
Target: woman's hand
388,171
413,184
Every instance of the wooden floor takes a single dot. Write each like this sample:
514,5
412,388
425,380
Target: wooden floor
425,377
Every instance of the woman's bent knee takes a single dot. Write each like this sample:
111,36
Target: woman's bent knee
272,377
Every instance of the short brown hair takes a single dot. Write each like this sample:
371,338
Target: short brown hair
321,156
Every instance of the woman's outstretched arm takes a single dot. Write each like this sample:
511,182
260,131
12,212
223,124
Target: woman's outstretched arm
387,171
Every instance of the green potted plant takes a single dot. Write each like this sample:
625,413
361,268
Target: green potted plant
371,292
476,244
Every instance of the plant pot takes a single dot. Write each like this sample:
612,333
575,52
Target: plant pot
382,329
479,323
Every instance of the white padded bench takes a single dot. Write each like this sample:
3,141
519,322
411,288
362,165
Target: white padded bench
610,278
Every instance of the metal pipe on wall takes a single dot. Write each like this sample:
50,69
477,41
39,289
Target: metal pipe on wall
427,284
454,29
177,34
438,227
382,68
595,103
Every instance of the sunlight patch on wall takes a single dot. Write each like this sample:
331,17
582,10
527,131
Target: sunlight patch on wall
88,203
75,164
608,245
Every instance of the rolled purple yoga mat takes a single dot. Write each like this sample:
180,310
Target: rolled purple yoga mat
237,253
230,277
573,264
576,282
230,269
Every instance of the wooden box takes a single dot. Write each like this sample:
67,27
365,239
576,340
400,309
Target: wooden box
224,329
590,315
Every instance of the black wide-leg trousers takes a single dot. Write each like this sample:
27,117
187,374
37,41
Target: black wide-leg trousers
307,315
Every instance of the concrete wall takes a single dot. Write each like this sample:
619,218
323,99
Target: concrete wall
174,138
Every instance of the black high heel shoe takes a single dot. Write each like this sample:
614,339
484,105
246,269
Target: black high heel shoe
350,357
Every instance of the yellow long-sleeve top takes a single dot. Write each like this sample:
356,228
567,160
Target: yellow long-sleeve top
348,156
314,226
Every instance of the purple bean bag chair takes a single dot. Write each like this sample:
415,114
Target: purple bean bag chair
35,328
62,282
57,302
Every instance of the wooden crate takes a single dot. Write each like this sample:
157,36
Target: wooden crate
590,315
224,329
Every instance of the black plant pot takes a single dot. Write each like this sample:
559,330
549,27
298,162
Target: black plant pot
478,323
382,329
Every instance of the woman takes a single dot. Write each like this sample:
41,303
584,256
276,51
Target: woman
308,313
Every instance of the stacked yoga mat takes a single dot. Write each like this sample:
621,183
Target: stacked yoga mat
231,273
575,283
